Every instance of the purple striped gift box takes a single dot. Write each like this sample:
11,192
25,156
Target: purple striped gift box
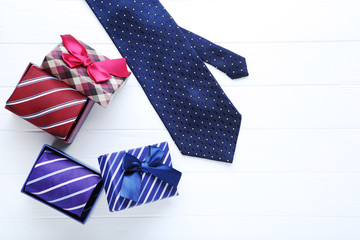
61,182
152,188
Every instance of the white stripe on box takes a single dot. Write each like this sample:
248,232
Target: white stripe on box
50,161
64,183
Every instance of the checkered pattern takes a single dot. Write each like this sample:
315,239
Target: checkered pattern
78,78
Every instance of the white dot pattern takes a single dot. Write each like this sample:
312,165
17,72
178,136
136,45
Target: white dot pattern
169,66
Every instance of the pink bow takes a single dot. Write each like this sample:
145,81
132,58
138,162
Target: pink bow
98,71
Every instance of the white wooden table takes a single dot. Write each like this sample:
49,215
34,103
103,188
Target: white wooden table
296,173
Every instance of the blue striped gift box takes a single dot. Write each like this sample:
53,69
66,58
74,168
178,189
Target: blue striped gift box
152,188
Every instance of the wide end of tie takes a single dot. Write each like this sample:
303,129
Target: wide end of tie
215,155
218,145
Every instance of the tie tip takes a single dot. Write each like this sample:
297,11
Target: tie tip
215,157
240,71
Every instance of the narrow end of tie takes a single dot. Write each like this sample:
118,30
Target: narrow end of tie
238,70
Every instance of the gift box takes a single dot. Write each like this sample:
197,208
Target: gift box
60,181
138,176
49,104
79,78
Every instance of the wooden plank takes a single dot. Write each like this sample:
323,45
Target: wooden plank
217,194
194,227
229,21
269,151
269,64
283,107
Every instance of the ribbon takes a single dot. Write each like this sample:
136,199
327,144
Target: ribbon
98,71
152,164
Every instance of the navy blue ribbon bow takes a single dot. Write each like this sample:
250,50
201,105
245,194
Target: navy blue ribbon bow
134,168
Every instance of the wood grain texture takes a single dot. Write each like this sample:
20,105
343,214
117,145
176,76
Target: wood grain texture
296,172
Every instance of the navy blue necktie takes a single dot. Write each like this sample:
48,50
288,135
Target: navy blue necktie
168,61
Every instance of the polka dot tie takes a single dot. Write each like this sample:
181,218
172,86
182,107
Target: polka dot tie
168,62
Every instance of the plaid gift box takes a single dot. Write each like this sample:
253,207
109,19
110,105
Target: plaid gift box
78,77
152,188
